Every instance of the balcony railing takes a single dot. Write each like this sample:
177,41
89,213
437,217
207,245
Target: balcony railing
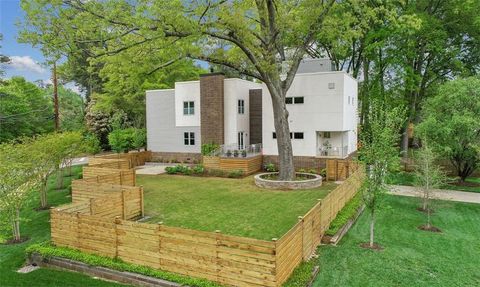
234,150
333,151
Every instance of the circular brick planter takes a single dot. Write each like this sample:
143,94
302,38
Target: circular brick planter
313,181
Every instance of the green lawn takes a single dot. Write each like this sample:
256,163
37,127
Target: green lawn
234,206
407,178
411,257
37,228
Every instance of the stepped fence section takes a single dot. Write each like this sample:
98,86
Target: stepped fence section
100,221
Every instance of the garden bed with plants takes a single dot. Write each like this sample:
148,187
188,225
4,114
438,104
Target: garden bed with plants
200,170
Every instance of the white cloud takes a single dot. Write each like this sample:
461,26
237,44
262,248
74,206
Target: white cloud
25,63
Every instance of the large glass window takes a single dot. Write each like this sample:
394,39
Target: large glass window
189,138
298,136
241,107
189,108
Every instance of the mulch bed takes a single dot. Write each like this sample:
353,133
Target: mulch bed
430,228
375,246
12,241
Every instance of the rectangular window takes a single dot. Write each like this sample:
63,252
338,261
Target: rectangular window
326,135
294,100
298,136
189,138
241,107
298,100
188,108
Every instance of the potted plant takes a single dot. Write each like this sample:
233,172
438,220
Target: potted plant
229,153
244,153
235,153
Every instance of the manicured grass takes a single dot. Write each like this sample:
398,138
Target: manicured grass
407,178
411,257
37,228
234,206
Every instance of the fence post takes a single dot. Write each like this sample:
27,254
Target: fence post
142,207
121,177
92,201
124,208
79,242
117,222
300,219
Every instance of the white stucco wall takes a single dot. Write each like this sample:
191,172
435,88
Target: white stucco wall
323,110
234,90
162,134
187,91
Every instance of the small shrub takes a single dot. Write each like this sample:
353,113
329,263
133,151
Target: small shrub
312,170
323,172
235,173
208,149
235,153
216,172
244,153
270,167
171,170
198,169
229,153
302,170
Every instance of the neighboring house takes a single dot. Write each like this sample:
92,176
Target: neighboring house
322,107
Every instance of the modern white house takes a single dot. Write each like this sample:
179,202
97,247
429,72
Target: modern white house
237,114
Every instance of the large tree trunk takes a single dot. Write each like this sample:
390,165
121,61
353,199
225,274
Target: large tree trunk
43,194
282,130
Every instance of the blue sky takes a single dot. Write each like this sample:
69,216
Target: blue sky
26,60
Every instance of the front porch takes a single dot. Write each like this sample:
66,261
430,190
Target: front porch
332,144
235,157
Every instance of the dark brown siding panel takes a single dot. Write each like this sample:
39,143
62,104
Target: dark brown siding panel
211,105
255,108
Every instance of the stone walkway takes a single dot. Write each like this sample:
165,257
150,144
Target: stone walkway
443,194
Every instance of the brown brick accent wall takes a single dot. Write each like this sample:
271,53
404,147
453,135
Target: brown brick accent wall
300,162
211,105
176,157
255,110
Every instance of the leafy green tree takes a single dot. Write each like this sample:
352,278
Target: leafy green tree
265,40
428,176
451,124
71,109
16,182
3,59
379,153
25,109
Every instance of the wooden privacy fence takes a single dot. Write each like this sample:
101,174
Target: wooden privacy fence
134,158
109,175
302,240
340,169
248,165
98,221
109,163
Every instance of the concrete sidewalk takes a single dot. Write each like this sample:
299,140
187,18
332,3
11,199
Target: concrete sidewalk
442,194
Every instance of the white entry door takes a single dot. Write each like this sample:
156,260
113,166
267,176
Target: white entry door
241,140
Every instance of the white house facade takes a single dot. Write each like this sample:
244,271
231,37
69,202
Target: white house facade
236,113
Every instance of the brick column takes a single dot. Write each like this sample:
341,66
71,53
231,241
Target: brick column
255,108
212,108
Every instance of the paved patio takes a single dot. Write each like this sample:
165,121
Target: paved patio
151,168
